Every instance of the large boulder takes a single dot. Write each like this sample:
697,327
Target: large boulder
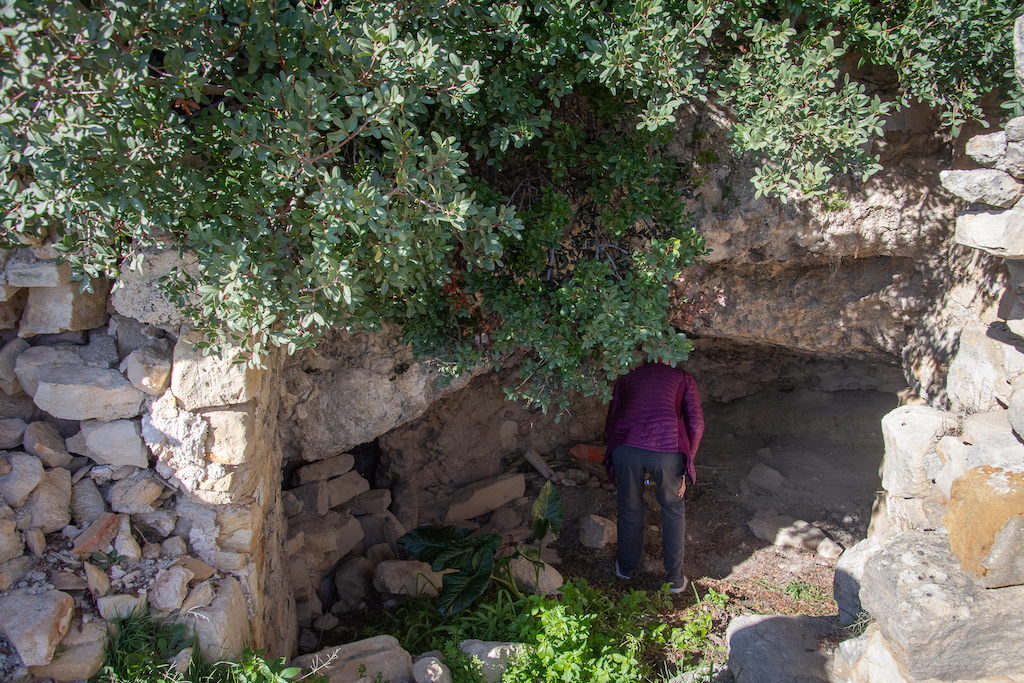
847,579
937,620
34,623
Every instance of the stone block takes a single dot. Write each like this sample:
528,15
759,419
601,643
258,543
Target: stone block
200,596
79,657
847,578
986,525
342,489
138,294
42,440
35,624
431,670
868,659
49,504
911,433
315,497
97,536
939,623
597,531
170,588
233,437
12,571
406,577
485,496
241,526
322,470
24,474
539,580
117,443
149,368
10,541
32,362
783,530
97,581
1000,233
51,310
778,649
200,569
25,271
372,502
100,352
119,606
87,502
987,150
8,358
354,582
200,381
381,528
380,656
82,393
12,429
494,657
138,493
222,629
764,477
983,185
12,308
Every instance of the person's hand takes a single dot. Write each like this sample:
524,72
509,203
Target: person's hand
682,487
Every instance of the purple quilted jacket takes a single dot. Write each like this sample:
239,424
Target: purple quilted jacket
657,408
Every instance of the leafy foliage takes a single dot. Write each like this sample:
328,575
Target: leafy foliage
472,556
492,176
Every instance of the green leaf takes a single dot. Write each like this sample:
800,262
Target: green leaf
460,589
547,512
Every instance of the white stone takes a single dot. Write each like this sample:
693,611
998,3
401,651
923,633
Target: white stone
125,543
372,502
116,443
782,530
597,531
983,185
200,596
1000,233
233,437
222,628
178,440
493,656
149,368
485,496
200,381
79,656
82,393
35,624
42,440
431,670
170,588
136,494
121,605
100,352
138,294
25,473
34,361
910,433
988,149
539,580
778,648
829,549
49,504
406,577
24,271
51,310
363,660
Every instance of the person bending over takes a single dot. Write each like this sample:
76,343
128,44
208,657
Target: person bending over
654,426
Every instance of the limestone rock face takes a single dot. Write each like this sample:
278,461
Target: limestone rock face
910,433
928,608
380,655
986,525
73,392
135,494
35,624
848,575
170,588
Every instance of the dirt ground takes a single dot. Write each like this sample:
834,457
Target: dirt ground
828,447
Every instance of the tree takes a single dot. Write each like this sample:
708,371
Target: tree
490,175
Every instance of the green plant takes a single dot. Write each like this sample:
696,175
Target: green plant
107,560
493,177
472,556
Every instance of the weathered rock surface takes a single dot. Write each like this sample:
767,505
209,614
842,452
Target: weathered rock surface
34,361
97,536
35,624
222,629
51,310
87,502
597,531
539,580
10,541
149,368
928,608
983,185
406,577
986,525
80,655
431,670
42,440
25,472
353,581
847,578
9,383
200,381
49,504
910,433
380,655
12,429
73,392
138,294
778,649
170,588
135,494
485,496
322,470
117,442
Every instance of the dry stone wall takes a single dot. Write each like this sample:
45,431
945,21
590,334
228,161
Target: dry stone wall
135,473
942,571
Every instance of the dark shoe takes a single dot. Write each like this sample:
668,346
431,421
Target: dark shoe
679,586
620,574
